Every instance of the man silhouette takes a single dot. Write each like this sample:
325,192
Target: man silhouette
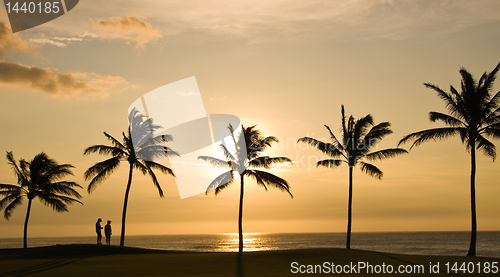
98,230
107,232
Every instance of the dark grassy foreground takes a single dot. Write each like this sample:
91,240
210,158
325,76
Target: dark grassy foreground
97,260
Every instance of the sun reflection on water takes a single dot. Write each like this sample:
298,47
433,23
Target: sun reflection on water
228,242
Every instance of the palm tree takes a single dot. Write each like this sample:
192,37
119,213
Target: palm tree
247,159
357,141
38,178
473,114
138,148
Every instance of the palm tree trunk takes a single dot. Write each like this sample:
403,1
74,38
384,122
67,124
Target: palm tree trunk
473,234
125,202
25,240
240,217
349,211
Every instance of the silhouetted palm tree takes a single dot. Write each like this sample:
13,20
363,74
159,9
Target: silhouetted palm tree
473,114
139,157
357,141
38,178
248,157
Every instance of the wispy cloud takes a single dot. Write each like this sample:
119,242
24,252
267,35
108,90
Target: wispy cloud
299,20
11,43
56,41
132,29
56,83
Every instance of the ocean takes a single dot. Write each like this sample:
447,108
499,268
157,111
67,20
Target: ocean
425,243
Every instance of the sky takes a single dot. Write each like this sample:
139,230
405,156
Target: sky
286,66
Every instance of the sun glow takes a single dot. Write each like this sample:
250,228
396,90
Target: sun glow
251,242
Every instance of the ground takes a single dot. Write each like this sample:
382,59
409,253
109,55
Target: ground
99,260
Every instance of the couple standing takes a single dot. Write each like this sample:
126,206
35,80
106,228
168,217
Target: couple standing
107,231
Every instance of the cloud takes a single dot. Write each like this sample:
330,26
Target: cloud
56,41
301,20
132,29
10,42
49,80
56,83
271,21
44,41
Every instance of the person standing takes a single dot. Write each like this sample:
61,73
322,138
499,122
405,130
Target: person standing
107,232
98,229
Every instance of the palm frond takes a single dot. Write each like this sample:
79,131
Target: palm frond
486,146
431,134
344,127
271,180
385,154
10,196
12,206
115,142
267,142
140,166
153,152
351,123
97,168
256,143
57,197
105,150
488,84
451,104
227,154
56,204
330,163
62,187
492,110
493,131
362,125
154,179
163,169
336,142
468,82
378,132
259,180
129,144
8,187
447,119
20,174
372,170
156,140
217,163
231,132
327,148
56,172
268,162
167,138
221,182
100,171
462,111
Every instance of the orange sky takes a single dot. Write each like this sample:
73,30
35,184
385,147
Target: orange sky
297,61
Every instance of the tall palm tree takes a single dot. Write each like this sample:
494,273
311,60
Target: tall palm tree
358,138
38,178
248,158
138,148
473,114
